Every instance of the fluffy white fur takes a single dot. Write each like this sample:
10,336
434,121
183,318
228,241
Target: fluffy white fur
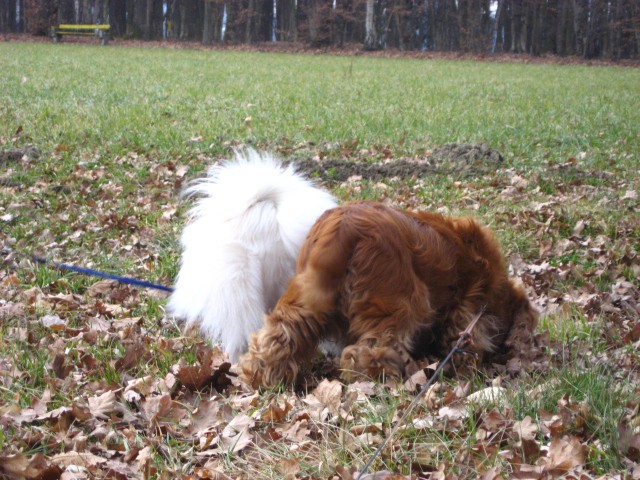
241,244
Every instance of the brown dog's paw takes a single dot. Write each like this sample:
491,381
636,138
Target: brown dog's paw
267,363
361,361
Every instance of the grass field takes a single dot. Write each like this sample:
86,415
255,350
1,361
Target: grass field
95,146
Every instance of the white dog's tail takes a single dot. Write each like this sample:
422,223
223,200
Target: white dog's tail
241,245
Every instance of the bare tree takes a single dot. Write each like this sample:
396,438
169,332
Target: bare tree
212,21
371,36
286,24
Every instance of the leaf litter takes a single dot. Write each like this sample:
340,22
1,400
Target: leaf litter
97,384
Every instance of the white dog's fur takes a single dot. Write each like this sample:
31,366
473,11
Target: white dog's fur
241,244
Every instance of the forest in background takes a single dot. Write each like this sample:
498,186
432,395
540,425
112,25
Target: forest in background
608,29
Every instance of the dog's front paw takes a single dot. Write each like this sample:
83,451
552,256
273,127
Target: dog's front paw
361,361
267,365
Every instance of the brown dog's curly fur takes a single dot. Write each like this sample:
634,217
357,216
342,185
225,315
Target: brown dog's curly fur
388,284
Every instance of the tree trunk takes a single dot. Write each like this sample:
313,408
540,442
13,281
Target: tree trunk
8,22
496,26
207,29
371,37
248,30
130,7
4,16
579,22
289,23
148,17
286,20
66,11
237,12
84,14
118,17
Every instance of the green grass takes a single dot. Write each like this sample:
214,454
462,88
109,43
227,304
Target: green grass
117,100
120,131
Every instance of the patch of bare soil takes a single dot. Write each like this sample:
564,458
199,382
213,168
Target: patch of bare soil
16,154
12,156
462,156
452,157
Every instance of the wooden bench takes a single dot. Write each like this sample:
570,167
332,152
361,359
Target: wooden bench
100,31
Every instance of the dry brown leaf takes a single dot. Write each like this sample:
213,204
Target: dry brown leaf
134,354
629,442
329,393
82,459
494,420
527,472
275,413
369,428
565,454
551,424
55,414
102,288
525,429
492,474
238,424
144,463
246,402
298,431
288,467
157,406
363,389
14,465
101,405
19,466
416,380
139,387
204,417
75,472
207,473
65,302
578,228
238,442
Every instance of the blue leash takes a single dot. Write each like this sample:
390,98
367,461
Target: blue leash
98,273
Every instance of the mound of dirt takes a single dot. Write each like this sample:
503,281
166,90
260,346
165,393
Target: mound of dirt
16,155
340,170
462,155
452,157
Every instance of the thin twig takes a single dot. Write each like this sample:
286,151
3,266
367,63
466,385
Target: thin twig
465,337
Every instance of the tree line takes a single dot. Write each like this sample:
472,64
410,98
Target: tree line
585,28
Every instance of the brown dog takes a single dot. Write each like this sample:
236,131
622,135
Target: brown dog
388,284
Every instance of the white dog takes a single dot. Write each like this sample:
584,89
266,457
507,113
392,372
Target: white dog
241,244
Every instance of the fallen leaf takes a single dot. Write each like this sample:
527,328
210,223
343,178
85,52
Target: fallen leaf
82,459
629,442
329,392
101,405
495,395
19,466
298,431
525,429
54,322
565,454
458,412
288,467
